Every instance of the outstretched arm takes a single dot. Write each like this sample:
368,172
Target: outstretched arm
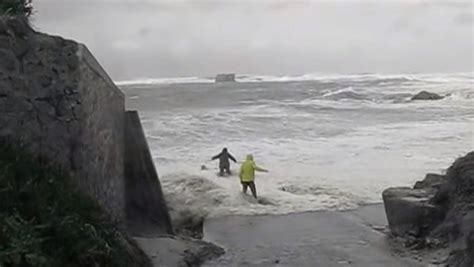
216,156
232,158
259,169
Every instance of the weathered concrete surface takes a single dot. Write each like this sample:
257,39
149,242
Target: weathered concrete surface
146,209
179,252
59,104
308,239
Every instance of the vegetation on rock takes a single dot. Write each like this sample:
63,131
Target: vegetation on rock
44,221
16,7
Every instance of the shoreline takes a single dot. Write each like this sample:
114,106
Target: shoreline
193,227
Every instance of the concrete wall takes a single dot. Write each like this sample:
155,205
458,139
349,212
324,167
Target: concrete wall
58,103
146,209
99,158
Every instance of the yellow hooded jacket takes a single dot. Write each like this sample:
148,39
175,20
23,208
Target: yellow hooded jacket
247,170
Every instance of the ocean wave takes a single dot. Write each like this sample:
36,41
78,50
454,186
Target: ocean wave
461,95
153,81
345,93
206,195
373,78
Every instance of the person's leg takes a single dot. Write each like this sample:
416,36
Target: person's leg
253,189
227,169
244,187
221,171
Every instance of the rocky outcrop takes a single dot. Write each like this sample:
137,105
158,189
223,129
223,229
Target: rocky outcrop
58,103
424,95
432,181
438,212
409,211
146,209
223,77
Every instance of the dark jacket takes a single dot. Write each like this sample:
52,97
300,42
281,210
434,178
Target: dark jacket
224,157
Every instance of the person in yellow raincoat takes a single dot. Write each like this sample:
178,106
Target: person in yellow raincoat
247,175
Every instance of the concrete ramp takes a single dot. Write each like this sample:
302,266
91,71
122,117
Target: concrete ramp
319,239
146,210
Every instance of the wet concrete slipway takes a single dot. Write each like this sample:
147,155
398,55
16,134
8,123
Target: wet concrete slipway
326,238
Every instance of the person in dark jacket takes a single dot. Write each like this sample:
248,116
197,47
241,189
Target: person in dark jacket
224,164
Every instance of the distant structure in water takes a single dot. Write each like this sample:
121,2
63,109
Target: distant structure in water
225,77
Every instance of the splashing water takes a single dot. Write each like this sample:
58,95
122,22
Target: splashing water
330,142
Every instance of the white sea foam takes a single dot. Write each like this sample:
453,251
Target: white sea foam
383,78
152,81
325,147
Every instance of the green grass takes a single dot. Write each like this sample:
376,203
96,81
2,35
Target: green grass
16,7
45,222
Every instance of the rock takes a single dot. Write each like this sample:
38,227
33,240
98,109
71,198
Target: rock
459,258
3,26
177,251
438,211
461,179
409,212
201,252
6,42
439,261
8,61
21,47
230,77
379,228
19,25
431,181
424,95
15,34
470,246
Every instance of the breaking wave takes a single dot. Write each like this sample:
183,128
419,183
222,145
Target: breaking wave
332,143
373,78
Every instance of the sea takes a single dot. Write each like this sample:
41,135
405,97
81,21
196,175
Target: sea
329,141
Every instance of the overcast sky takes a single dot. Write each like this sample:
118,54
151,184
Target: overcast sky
156,38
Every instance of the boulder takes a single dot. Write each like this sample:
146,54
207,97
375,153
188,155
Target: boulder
179,251
461,178
409,211
440,208
431,181
223,77
424,95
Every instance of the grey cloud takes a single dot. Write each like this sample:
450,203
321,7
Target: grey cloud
185,38
465,18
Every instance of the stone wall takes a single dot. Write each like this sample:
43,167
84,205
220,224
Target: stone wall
59,104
